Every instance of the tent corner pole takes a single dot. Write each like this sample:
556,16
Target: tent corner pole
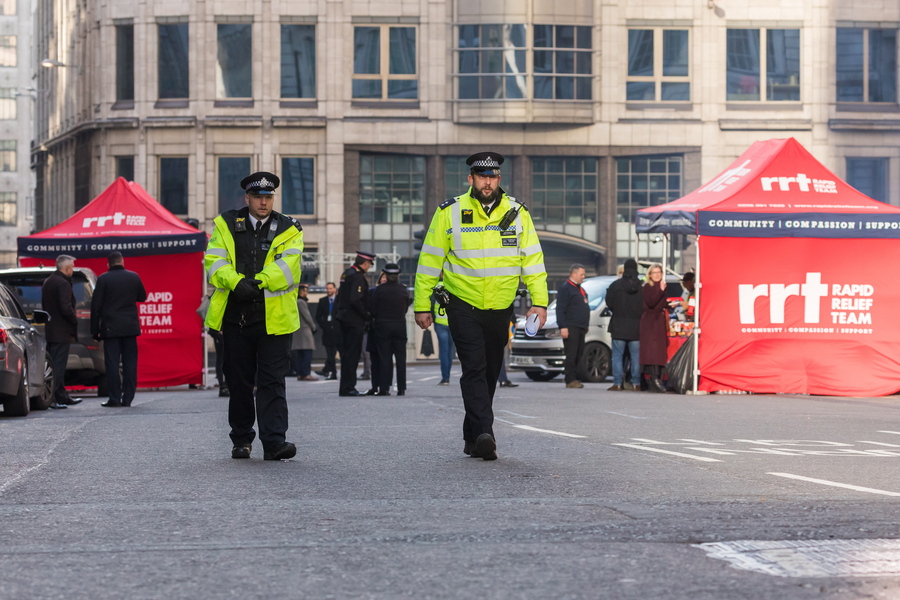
698,285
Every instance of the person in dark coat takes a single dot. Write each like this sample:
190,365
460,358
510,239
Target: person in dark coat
388,305
654,327
58,299
302,341
115,320
353,315
331,330
573,315
626,302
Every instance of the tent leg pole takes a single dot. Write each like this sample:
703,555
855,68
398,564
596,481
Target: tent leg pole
698,284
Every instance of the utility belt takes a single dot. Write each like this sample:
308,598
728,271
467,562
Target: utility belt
458,303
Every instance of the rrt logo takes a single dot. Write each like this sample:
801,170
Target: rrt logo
822,186
117,219
850,303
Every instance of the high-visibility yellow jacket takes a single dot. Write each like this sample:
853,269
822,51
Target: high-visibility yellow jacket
280,276
481,263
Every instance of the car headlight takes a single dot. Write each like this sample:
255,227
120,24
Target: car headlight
551,333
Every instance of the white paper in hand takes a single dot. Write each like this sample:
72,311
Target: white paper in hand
532,324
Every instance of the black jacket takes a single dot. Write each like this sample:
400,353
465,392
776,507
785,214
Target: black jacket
58,299
352,297
389,302
624,299
331,331
114,311
572,308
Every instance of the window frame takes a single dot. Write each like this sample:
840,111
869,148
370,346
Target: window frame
222,93
124,88
763,59
250,169
866,52
658,78
10,95
9,150
384,75
187,183
315,182
281,33
9,199
160,71
10,49
555,50
885,161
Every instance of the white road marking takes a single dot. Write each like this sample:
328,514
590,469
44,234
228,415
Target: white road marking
894,432
609,412
509,412
835,484
529,428
428,378
880,444
701,442
681,454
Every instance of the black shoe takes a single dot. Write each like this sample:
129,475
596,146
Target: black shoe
401,392
332,377
242,451
444,382
371,392
485,447
350,393
73,401
223,392
364,377
469,448
508,383
110,404
58,406
323,373
384,393
285,451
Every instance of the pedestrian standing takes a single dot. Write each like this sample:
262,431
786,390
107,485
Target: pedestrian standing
654,327
253,260
331,331
573,315
388,305
115,320
353,315
446,347
371,364
482,241
58,299
303,343
626,302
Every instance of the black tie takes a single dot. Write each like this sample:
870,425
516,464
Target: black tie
259,225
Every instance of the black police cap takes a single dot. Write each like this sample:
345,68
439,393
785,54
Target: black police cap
261,182
485,163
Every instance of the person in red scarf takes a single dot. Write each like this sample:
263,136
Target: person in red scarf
573,315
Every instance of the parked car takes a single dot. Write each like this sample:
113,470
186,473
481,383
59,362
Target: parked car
85,365
26,371
542,357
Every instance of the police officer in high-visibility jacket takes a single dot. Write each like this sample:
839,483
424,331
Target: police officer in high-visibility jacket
483,241
253,260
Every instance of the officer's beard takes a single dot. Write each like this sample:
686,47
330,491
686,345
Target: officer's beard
479,195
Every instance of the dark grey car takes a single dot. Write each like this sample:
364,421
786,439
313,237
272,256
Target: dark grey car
26,371
85,365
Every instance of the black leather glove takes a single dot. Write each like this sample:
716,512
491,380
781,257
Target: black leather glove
247,289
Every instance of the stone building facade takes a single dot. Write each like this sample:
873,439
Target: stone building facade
367,109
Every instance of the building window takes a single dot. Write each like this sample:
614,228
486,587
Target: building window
7,155
125,168
866,65
7,103
7,7
384,63
562,62
869,176
298,61
8,202
642,181
658,65
763,64
173,61
491,62
124,62
234,60
391,204
231,170
564,195
7,50
298,191
173,183
456,173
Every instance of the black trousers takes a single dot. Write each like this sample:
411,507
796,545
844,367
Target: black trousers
254,357
219,345
480,336
330,364
351,349
121,390
59,356
574,347
390,339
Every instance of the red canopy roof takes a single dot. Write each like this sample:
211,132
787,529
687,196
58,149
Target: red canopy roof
774,189
123,217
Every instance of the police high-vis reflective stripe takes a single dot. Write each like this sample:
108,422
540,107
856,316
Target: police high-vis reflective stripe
482,264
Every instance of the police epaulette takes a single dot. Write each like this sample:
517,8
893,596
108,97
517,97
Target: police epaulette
448,202
296,224
520,203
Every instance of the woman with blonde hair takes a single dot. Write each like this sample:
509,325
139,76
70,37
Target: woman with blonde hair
654,327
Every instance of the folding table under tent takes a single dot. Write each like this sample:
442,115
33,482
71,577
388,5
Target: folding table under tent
164,250
799,291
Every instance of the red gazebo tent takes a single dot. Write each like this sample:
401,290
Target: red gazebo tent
165,251
798,292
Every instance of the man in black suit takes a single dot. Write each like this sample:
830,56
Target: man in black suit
58,299
331,330
353,313
114,319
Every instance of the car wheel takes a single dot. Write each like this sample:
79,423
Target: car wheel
102,387
540,375
595,364
45,397
17,406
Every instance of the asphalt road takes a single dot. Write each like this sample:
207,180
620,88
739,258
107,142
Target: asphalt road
596,495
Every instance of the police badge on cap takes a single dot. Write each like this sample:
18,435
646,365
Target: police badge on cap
486,164
261,183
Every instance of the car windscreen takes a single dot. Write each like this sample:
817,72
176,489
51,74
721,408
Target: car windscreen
27,290
595,287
